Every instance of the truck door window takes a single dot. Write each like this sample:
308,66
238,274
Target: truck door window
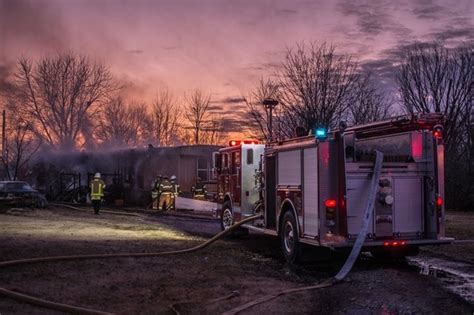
216,160
235,162
225,160
249,156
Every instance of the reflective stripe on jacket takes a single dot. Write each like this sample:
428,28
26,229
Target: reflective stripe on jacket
97,189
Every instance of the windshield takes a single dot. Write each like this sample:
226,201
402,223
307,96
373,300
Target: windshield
18,186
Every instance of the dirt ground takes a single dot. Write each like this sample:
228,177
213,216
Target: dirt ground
250,267
460,226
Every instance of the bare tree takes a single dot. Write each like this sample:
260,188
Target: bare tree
433,78
198,117
315,86
259,115
123,125
213,131
57,94
20,145
166,119
368,103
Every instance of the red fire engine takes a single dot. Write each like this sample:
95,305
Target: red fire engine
313,189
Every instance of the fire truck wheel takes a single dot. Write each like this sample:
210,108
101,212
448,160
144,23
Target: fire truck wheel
289,238
227,217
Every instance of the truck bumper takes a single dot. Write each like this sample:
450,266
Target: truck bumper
391,243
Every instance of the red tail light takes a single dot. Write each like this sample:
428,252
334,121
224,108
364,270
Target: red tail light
331,215
438,131
394,243
330,203
439,201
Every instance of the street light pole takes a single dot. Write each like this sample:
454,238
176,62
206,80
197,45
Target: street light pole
270,104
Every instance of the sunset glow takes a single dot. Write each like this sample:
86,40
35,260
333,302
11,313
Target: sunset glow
222,47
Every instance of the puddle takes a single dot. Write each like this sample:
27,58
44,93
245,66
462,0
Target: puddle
457,277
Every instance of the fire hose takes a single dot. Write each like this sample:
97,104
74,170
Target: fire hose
81,310
346,268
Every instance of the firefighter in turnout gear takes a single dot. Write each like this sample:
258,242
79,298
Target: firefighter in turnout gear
97,192
165,194
155,192
199,190
175,190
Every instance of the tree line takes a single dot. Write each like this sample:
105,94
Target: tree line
315,86
69,102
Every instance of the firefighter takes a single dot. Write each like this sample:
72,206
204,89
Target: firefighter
175,190
199,189
155,193
165,193
97,186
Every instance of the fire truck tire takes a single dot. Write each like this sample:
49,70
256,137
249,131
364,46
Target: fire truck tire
289,238
227,220
227,216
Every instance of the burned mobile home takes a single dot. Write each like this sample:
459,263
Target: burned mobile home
128,173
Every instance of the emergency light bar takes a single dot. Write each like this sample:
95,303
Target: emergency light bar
321,133
233,143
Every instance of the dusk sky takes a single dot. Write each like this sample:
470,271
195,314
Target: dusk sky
222,47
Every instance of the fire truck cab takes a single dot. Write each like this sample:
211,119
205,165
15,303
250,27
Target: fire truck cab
314,189
236,167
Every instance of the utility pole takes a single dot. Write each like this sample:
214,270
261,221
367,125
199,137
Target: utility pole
470,141
269,105
4,136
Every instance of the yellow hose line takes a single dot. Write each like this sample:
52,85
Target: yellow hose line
80,310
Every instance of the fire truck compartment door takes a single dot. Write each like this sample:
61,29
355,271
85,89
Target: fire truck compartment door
408,214
289,168
310,192
357,194
250,160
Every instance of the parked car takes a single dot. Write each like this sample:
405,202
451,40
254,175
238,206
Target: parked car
17,193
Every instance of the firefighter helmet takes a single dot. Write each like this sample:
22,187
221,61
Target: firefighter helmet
97,175
173,177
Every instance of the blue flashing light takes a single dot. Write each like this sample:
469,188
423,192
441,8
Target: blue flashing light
321,133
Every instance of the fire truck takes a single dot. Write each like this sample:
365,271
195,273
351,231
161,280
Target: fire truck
313,189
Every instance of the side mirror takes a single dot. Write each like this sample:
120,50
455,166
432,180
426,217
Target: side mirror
216,162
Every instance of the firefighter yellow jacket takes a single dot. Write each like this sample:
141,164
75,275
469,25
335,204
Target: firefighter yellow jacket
97,189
